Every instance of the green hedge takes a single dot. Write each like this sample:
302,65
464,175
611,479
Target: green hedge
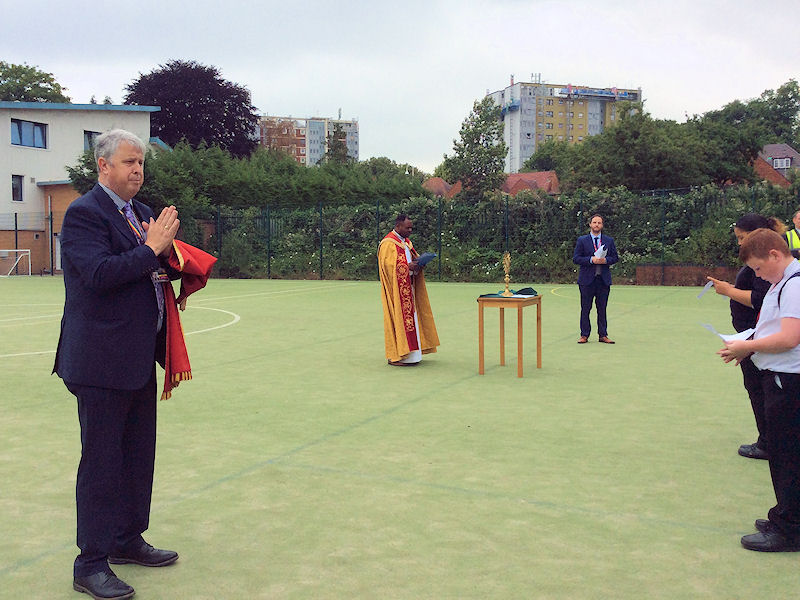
693,227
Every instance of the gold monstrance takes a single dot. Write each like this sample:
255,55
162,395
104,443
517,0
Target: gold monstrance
506,267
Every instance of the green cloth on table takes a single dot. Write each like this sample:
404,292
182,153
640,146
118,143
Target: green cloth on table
528,291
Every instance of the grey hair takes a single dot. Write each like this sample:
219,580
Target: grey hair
106,144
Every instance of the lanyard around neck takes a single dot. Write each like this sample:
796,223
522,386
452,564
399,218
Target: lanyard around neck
135,229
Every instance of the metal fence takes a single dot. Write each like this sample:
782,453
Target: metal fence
661,227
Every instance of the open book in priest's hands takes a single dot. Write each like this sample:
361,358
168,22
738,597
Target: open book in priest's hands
424,258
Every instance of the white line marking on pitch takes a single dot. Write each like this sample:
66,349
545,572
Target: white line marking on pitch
236,319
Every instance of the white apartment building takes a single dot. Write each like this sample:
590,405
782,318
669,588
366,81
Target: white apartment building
536,112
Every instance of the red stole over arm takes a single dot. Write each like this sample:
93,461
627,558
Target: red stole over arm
195,267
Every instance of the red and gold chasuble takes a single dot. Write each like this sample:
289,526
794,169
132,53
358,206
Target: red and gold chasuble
403,274
402,295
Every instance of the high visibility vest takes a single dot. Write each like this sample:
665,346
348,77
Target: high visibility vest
793,239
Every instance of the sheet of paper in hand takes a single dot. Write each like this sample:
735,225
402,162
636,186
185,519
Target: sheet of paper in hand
601,251
425,258
705,289
742,335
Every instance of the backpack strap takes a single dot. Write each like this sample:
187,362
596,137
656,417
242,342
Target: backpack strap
792,276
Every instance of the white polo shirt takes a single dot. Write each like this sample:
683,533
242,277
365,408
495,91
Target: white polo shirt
769,322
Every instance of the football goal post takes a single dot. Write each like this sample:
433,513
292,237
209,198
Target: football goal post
15,262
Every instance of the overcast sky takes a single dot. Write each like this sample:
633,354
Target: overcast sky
410,71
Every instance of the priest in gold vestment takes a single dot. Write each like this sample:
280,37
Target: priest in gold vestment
409,330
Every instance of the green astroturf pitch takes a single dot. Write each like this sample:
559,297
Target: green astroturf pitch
297,464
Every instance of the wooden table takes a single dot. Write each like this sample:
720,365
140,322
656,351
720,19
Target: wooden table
502,304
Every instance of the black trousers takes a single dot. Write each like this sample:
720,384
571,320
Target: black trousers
782,419
115,475
596,292
751,377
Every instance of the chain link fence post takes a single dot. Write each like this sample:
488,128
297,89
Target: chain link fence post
439,236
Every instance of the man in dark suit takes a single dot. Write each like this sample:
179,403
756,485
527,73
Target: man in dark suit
112,333
594,277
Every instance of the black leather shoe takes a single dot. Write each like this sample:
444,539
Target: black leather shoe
753,451
764,525
771,541
145,555
103,586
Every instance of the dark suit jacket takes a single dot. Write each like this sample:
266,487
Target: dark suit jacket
108,332
584,250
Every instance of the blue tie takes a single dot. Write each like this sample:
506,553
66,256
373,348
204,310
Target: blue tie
128,211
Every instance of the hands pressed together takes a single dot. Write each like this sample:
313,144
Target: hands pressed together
161,231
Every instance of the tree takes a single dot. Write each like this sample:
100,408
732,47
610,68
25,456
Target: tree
550,156
727,149
197,105
774,117
479,155
784,110
337,146
642,153
24,83
84,174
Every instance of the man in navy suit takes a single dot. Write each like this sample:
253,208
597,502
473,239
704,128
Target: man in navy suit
594,277
112,333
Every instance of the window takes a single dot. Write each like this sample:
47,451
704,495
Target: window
16,188
549,113
580,115
548,125
548,137
561,101
561,138
580,125
561,126
88,139
781,163
550,102
571,114
27,133
580,138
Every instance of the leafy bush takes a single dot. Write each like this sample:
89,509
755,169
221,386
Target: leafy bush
539,231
